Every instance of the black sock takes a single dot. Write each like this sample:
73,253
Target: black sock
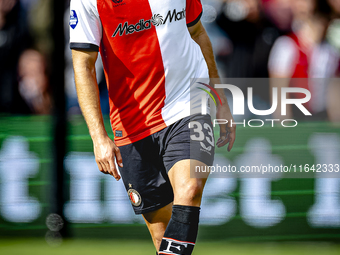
180,235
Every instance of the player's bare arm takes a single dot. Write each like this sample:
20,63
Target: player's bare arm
227,132
105,149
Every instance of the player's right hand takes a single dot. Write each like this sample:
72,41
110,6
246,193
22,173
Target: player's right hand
227,131
105,151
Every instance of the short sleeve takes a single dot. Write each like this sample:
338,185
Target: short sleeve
85,25
194,12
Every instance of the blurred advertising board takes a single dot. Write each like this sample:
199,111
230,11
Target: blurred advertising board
236,206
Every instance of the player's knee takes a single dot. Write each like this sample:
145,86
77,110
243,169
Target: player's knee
190,194
195,191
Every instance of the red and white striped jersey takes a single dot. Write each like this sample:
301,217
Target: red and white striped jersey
148,56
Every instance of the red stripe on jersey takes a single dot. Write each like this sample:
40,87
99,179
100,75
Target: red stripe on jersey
133,68
193,10
300,71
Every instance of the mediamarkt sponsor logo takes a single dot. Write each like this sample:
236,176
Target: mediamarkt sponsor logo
155,20
177,15
129,29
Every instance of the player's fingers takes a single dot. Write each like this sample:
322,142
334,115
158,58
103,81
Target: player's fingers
223,130
223,142
101,168
231,141
106,166
221,139
113,170
232,137
119,158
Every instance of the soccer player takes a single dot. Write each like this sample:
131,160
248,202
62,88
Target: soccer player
150,51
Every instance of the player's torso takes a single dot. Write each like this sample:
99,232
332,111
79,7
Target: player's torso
149,59
138,30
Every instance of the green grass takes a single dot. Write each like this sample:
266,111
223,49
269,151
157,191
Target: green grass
132,247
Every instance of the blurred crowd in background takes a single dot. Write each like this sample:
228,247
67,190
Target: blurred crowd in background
24,50
251,39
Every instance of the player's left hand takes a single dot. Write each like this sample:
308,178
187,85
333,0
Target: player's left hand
227,131
106,151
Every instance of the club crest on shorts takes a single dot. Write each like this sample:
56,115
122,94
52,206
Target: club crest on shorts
135,197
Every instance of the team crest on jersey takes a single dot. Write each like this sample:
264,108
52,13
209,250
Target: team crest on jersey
73,19
135,197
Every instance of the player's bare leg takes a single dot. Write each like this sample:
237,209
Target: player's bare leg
187,192
181,232
187,189
157,221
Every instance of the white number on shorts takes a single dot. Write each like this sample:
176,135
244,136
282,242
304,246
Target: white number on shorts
197,129
199,135
210,133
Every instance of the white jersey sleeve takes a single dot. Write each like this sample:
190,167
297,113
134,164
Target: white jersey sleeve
85,25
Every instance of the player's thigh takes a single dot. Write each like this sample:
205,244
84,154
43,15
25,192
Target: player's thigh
144,176
191,146
190,138
187,185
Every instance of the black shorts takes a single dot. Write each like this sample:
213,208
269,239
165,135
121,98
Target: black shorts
147,161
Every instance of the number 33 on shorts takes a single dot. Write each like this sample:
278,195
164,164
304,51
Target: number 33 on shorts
202,133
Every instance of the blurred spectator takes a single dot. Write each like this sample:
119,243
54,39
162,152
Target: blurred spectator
14,39
23,74
40,20
33,82
252,36
334,7
304,54
331,8
333,37
279,12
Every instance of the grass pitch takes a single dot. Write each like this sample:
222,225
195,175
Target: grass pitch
135,247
